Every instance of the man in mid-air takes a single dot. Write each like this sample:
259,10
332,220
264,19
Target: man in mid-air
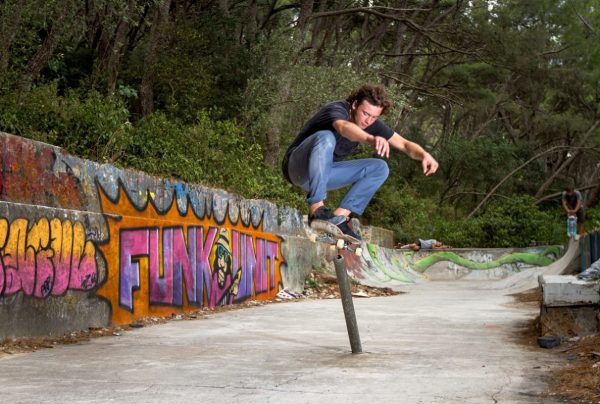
315,159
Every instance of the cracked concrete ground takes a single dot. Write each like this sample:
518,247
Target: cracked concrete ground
441,342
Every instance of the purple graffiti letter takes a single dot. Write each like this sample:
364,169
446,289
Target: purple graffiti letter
134,244
203,272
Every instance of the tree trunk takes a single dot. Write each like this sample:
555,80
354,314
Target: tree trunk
154,43
9,23
276,113
305,12
40,59
111,46
251,22
567,162
224,6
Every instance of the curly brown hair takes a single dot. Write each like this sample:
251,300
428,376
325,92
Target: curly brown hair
374,94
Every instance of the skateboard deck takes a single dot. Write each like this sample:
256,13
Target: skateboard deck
332,235
571,226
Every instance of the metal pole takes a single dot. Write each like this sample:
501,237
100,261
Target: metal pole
348,306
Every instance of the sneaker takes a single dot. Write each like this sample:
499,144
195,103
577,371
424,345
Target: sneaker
342,223
322,213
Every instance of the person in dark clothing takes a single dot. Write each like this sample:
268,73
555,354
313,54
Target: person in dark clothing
572,203
315,161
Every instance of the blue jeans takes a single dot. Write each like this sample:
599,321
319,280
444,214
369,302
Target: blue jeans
311,167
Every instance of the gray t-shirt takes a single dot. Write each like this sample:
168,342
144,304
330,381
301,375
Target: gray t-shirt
427,244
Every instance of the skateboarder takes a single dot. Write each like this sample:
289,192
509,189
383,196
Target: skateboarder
315,159
572,203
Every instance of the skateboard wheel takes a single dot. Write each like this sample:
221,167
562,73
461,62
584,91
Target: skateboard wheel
340,244
358,251
313,238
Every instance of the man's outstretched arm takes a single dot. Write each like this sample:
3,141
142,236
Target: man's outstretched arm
415,152
353,132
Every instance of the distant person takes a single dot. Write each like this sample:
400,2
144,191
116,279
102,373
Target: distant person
572,203
315,161
419,244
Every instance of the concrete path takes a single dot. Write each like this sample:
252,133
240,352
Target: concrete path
439,343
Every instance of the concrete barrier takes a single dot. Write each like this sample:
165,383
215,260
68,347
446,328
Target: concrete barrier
571,307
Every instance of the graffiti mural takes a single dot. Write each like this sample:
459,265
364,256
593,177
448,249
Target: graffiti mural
157,262
85,245
487,262
161,262
45,258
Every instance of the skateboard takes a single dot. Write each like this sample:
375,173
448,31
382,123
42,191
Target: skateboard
572,226
332,235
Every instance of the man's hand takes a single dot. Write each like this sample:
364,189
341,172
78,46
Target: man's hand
382,146
429,165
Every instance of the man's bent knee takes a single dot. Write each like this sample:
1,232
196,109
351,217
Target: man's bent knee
380,168
325,138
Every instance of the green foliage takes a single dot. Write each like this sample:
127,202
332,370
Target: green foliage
405,212
90,125
515,222
518,222
470,166
297,89
592,218
35,116
210,152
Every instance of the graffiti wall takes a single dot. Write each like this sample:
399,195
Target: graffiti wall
45,258
164,261
385,267
84,245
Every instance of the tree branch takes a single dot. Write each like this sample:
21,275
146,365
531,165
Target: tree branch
510,174
411,24
557,194
567,162
396,55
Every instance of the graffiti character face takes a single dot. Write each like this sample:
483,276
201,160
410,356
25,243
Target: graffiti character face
222,264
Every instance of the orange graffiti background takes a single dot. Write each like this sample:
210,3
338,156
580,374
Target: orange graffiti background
122,214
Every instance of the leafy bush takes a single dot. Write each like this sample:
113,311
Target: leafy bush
515,222
210,152
405,212
95,126
35,115
592,218
90,125
518,222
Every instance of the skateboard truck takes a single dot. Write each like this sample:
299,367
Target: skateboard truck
331,235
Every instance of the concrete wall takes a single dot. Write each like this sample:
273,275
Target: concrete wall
85,244
489,263
378,235
571,306
590,250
